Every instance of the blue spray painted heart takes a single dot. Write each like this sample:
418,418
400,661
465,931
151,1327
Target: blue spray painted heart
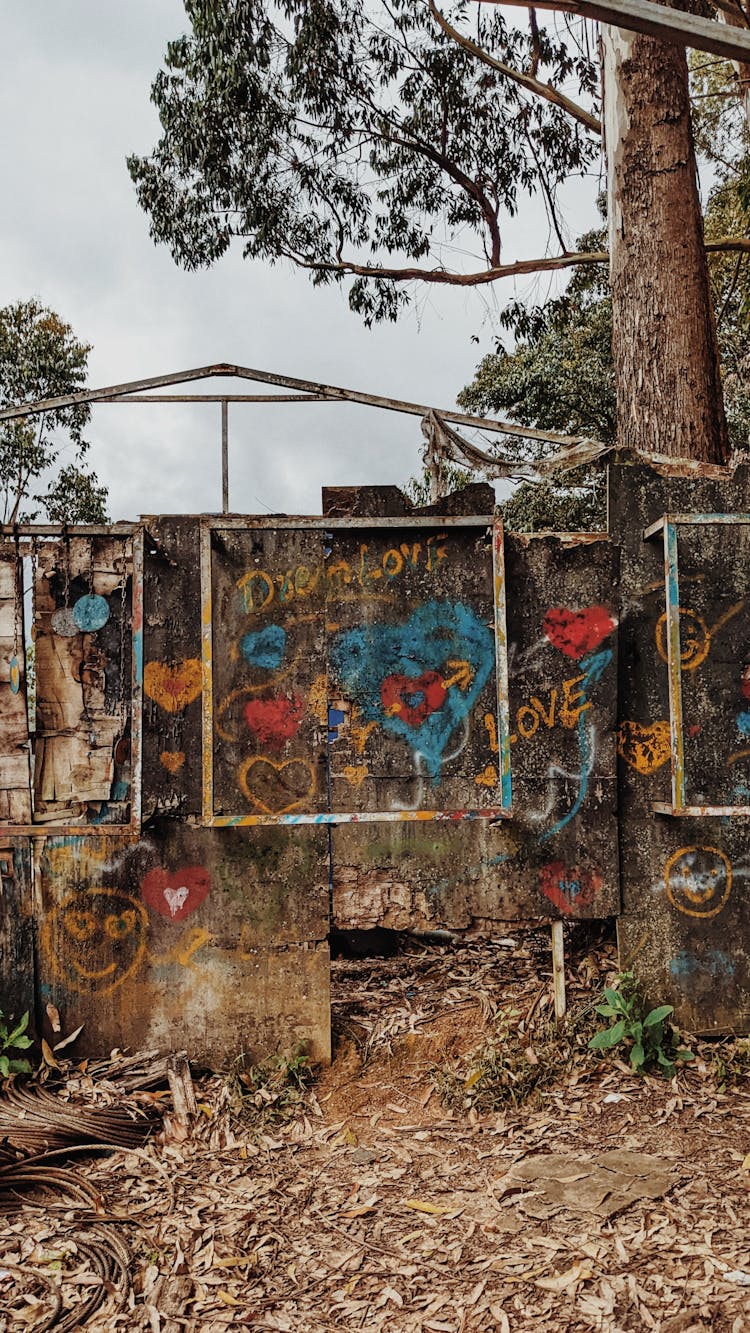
441,639
264,648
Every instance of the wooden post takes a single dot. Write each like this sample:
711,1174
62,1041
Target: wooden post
558,969
181,1087
225,455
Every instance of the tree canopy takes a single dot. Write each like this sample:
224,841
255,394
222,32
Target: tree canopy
40,357
360,141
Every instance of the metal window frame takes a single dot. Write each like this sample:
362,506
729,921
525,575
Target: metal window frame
667,526
49,828
220,523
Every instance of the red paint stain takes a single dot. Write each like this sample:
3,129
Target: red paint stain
275,720
413,698
576,633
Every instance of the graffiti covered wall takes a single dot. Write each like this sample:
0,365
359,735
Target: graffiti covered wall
246,730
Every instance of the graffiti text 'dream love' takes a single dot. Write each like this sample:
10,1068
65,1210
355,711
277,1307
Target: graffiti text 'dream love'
260,589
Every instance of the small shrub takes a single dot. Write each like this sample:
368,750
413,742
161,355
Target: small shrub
271,1091
14,1040
646,1036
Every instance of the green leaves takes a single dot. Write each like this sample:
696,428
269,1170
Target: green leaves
14,1040
40,357
641,1032
352,139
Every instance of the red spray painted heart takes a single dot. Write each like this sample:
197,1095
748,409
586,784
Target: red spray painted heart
576,633
274,721
570,890
175,893
413,698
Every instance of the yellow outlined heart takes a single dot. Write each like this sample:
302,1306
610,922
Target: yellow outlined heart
267,793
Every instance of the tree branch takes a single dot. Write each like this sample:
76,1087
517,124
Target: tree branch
545,264
527,81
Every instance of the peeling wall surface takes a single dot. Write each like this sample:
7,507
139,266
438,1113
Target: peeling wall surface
241,731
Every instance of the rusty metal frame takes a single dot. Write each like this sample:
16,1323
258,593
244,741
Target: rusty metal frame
48,828
668,525
502,811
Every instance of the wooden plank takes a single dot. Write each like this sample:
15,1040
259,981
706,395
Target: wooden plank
15,756
84,681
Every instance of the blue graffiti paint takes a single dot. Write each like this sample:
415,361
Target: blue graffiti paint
743,723
418,650
685,967
90,613
264,648
594,667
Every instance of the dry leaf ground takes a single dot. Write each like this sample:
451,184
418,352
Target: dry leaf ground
375,1206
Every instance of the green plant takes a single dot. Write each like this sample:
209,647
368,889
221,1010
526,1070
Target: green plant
14,1040
647,1036
272,1090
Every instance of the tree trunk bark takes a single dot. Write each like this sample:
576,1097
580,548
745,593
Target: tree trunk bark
668,383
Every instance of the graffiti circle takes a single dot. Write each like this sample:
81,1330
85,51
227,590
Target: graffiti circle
95,939
698,880
695,639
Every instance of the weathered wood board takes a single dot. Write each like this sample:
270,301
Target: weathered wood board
557,855
83,635
172,667
15,755
17,990
215,941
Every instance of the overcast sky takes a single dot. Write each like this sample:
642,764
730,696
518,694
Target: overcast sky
74,101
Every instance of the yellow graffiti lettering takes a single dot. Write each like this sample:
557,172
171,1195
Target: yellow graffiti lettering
526,711
571,710
359,736
547,717
248,586
355,774
393,563
488,778
411,553
490,723
463,674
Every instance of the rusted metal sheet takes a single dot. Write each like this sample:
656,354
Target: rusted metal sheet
686,923
557,855
172,670
186,937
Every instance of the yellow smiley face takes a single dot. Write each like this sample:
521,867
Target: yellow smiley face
95,939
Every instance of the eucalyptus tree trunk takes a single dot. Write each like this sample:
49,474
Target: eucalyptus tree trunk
669,396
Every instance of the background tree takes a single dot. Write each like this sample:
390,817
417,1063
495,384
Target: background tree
376,143
40,357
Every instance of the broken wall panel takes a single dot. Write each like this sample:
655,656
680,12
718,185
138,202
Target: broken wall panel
15,754
557,854
172,667
215,941
412,650
84,681
685,928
